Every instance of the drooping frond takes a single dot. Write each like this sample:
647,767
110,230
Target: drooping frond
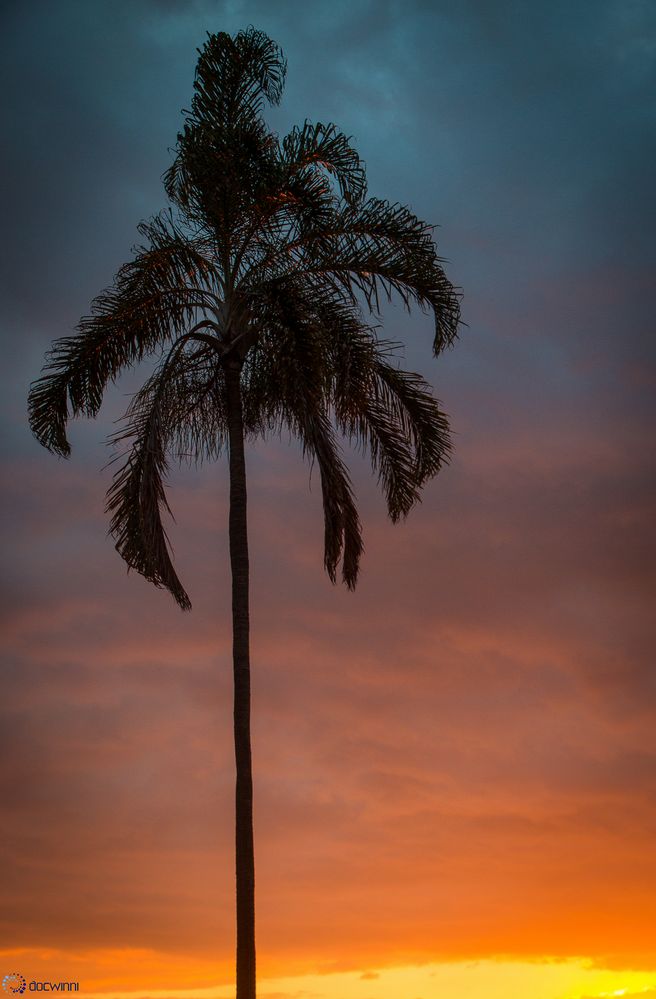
370,249
342,530
299,185
287,384
417,414
315,148
318,343
154,299
408,435
137,498
180,407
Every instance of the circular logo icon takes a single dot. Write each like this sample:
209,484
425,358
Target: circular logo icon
14,983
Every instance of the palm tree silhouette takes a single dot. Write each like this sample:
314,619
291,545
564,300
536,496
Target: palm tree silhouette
252,291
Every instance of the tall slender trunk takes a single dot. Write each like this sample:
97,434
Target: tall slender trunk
244,855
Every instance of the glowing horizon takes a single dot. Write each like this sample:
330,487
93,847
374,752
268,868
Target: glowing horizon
541,978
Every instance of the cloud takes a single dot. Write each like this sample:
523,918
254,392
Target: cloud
416,751
460,755
642,994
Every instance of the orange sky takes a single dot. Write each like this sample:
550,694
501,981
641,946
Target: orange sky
438,777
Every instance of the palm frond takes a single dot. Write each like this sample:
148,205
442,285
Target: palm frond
287,384
318,344
417,413
224,146
372,249
389,412
235,76
316,148
179,411
137,498
154,299
342,529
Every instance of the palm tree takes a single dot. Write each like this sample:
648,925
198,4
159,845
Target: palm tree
252,292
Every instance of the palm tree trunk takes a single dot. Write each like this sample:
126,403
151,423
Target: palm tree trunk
244,856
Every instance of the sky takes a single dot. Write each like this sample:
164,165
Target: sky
455,765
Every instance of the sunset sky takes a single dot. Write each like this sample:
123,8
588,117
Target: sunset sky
455,766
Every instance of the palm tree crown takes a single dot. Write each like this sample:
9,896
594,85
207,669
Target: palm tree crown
265,261
252,292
